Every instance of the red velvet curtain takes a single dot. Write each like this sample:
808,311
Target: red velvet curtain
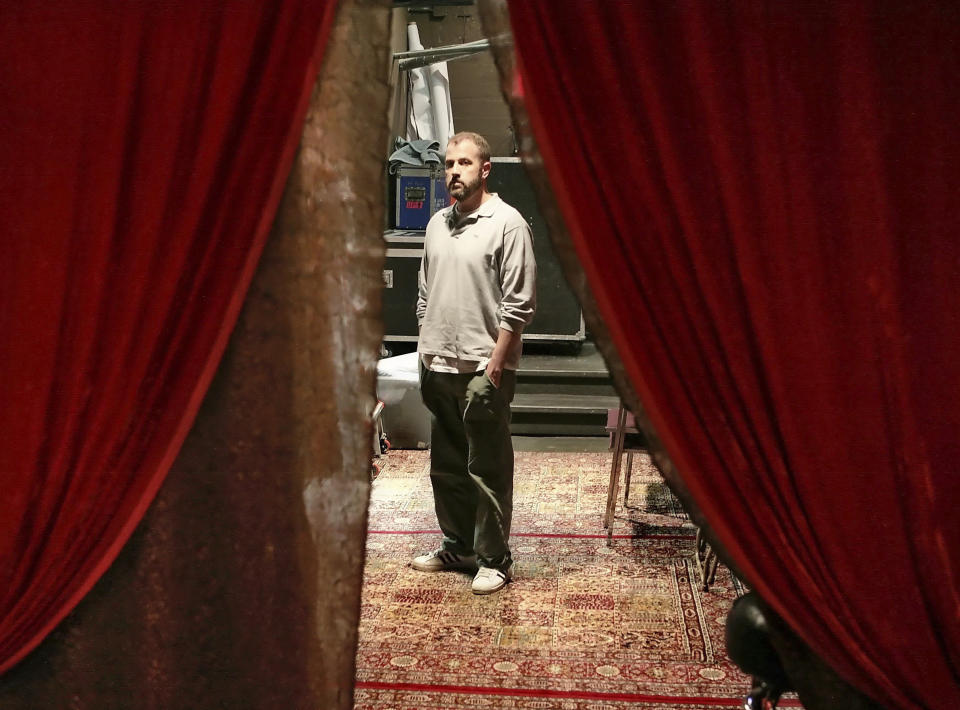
143,150
764,196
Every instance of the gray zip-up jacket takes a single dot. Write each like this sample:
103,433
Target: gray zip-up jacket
476,277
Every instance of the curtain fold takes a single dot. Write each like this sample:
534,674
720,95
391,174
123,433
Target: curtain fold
763,197
144,150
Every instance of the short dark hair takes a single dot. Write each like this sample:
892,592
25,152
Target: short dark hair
476,139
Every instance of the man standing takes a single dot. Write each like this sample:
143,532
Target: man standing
477,292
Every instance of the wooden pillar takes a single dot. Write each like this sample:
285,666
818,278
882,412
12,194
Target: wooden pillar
241,587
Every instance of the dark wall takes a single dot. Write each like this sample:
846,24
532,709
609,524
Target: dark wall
477,102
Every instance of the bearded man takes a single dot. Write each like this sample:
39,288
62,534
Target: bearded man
477,291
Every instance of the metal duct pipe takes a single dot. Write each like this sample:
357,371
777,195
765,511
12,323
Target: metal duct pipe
415,59
450,48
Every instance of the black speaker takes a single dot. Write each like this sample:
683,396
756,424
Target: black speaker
558,315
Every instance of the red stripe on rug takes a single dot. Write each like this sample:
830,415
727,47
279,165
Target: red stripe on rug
650,536
571,694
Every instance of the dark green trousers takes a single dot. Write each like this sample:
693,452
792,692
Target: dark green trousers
471,461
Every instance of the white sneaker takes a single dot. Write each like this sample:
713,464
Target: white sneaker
440,560
490,580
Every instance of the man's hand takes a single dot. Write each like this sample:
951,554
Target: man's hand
495,371
505,343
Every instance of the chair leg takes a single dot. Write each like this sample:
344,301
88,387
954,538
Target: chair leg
706,560
710,570
612,498
615,473
626,479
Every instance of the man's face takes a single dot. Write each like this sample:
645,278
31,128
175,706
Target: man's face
464,169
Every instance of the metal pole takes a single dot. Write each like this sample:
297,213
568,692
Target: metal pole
450,48
426,60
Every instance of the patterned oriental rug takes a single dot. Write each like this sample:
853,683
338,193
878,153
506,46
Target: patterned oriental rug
583,626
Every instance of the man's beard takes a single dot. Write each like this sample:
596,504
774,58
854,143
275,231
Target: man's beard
464,190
